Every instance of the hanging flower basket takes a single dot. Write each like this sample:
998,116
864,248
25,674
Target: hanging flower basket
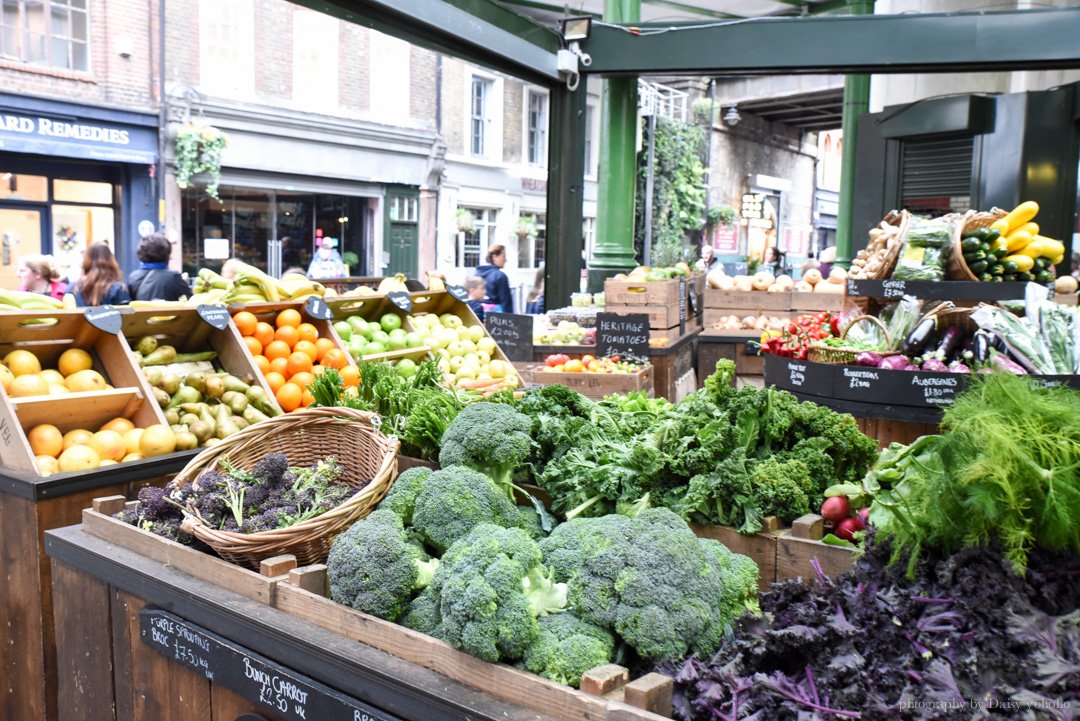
198,150
525,227
466,221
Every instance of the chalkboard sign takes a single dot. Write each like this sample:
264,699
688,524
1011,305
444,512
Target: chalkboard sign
316,307
280,691
104,317
215,316
622,335
513,333
904,388
458,291
402,300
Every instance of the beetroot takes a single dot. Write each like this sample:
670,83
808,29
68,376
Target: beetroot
847,528
835,509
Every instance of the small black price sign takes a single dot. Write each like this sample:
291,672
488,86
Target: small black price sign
215,316
402,300
458,291
513,333
316,307
622,335
104,317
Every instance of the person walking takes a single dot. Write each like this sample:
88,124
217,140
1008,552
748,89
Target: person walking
38,274
534,302
708,260
153,280
101,283
498,298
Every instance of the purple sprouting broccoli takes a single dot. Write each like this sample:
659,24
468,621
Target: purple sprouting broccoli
271,469
155,504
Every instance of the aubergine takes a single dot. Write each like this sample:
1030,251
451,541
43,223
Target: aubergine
981,344
950,340
919,337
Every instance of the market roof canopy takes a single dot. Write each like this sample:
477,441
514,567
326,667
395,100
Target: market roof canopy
550,12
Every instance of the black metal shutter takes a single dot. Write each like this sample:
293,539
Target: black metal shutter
936,174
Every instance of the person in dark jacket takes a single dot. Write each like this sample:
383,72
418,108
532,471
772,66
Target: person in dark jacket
498,298
101,283
477,292
153,280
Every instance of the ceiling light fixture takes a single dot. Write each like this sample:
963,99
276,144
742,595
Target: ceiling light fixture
732,117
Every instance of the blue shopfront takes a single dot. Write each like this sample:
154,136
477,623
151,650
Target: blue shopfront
71,175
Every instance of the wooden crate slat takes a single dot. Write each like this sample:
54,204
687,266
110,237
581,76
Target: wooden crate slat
591,385
794,558
88,409
761,547
751,300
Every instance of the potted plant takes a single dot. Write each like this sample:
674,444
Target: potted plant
350,259
720,215
525,227
198,150
466,221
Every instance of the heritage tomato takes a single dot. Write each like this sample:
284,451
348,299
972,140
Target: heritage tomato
574,366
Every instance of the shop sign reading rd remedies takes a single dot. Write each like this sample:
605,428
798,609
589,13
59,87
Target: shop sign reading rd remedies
61,129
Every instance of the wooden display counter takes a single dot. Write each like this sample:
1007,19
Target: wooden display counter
731,345
29,506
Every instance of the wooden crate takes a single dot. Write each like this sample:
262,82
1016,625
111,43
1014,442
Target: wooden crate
675,334
754,300
304,596
813,302
1066,298
661,317
653,292
713,316
440,303
760,546
591,385
131,397
798,548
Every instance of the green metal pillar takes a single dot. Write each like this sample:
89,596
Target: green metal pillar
566,170
613,251
856,102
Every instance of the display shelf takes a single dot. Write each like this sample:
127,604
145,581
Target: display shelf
89,409
961,290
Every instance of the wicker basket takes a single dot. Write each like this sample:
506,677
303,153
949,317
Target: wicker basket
957,267
846,356
305,437
900,219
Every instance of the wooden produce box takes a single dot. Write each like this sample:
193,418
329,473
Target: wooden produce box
712,316
371,308
753,300
676,333
131,397
797,549
762,547
441,302
714,345
653,292
661,317
605,695
592,385
1066,298
813,302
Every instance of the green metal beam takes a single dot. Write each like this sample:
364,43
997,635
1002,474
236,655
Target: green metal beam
943,43
704,12
566,173
478,31
548,7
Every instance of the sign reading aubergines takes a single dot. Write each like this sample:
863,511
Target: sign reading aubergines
63,135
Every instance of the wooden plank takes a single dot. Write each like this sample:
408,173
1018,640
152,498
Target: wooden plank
761,547
713,316
752,300
811,527
278,565
604,679
661,317
88,409
124,607
499,680
794,558
84,650
813,302
311,578
654,292
652,692
228,705
590,385
242,581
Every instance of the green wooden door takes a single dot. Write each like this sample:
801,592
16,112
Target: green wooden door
402,233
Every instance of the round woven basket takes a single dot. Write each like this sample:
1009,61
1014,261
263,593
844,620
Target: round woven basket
846,356
306,437
902,220
957,267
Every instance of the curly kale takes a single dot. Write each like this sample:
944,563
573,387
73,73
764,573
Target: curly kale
567,647
780,488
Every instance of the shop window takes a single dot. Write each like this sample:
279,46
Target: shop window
536,124
390,84
227,47
531,251
588,232
315,60
591,118
54,33
82,191
472,245
31,188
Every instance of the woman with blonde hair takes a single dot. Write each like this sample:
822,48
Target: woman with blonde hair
102,283
38,274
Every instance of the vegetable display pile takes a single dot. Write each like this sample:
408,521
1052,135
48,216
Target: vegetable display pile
963,638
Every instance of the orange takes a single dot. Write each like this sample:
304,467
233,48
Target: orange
109,445
120,425
253,345
288,334
277,349
157,440
78,458
58,389
22,362
280,365
335,358
46,465
350,375
306,346
53,378
275,380
77,437
28,385
6,376
245,322
131,442
74,360
323,345
289,397
307,332
306,399
303,379
299,362
288,317
46,440
86,380
262,363
264,332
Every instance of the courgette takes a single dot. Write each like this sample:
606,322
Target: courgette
1024,277
1008,277
986,278
967,245
978,267
997,269
974,255
1045,276
1042,263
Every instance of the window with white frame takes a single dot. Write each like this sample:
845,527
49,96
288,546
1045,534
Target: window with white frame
480,115
315,60
404,209
536,126
472,244
531,252
390,91
53,33
227,47
588,231
592,118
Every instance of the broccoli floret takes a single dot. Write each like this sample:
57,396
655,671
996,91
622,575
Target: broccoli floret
155,505
649,579
492,588
567,648
491,438
780,488
373,568
423,613
401,498
271,469
454,500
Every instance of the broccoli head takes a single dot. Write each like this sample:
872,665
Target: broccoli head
492,438
423,613
492,588
373,568
568,647
452,501
401,498
649,579
780,488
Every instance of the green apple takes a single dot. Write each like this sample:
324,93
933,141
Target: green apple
465,371
486,344
396,342
344,330
356,323
484,357
456,348
413,340
449,320
405,368
397,333
380,336
455,363
468,345
497,369
370,330
390,321
476,333
472,359
462,332
356,346
374,348
436,341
